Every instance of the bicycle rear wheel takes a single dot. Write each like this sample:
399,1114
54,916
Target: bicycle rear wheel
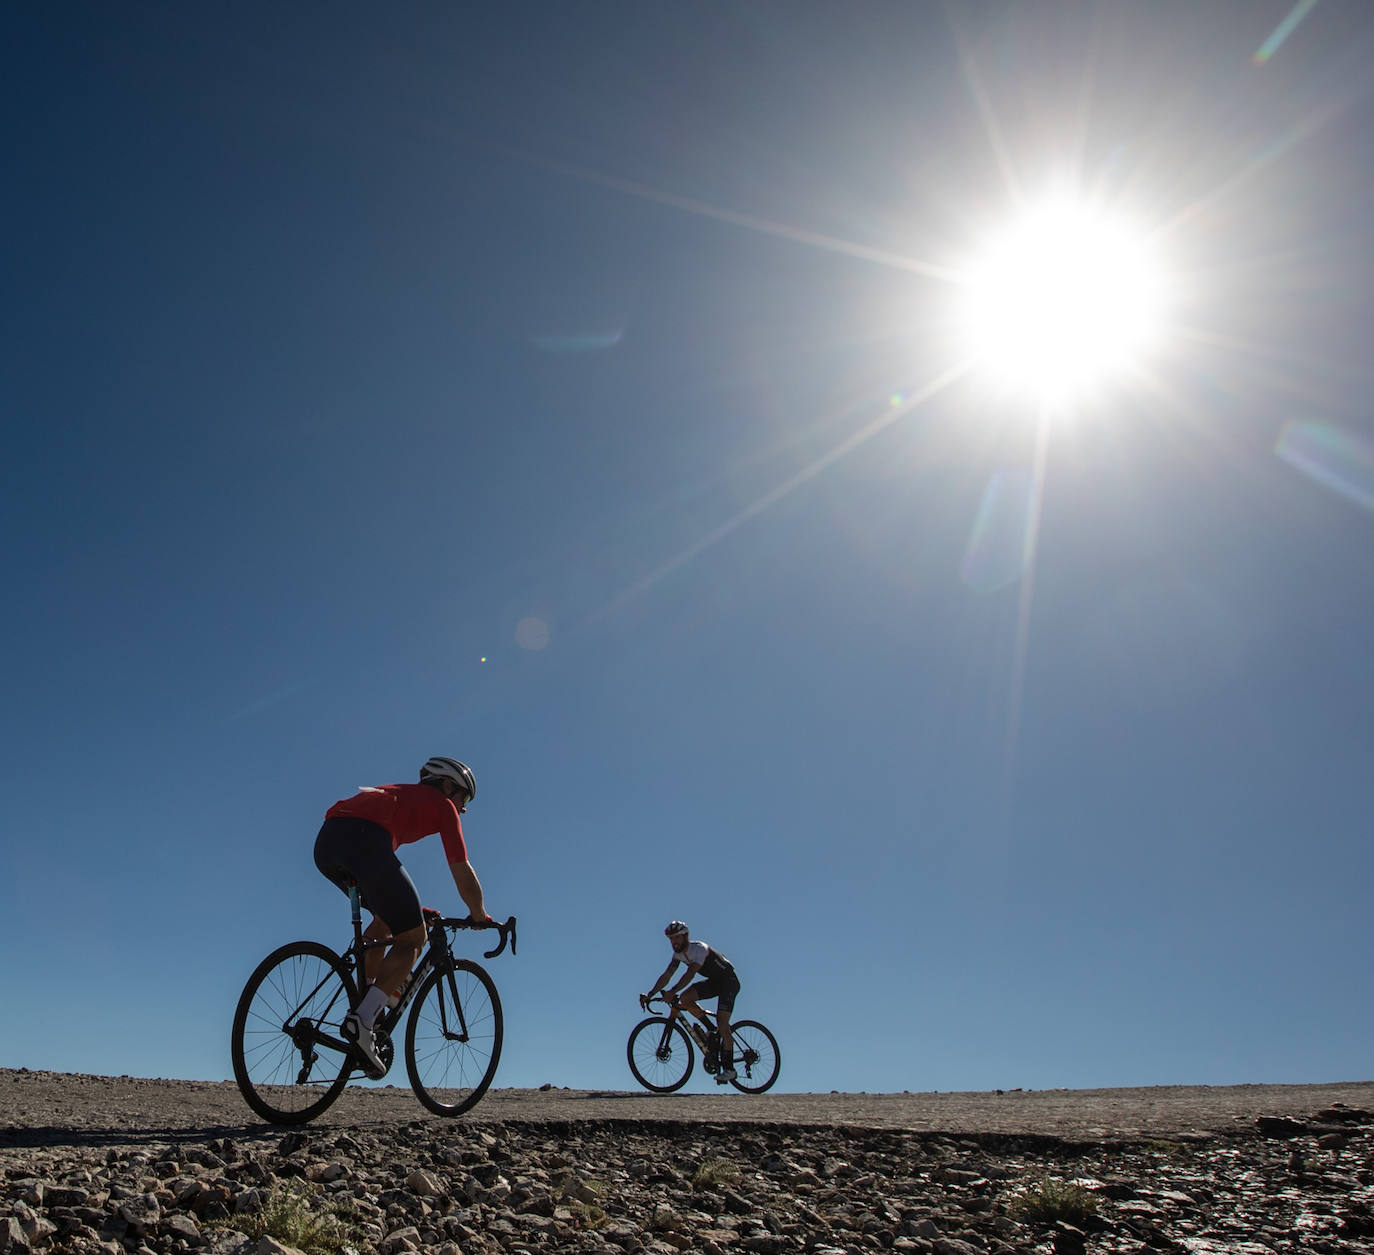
290,1060
757,1058
661,1060
453,1038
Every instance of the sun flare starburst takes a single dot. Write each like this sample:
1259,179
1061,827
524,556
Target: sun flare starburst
1061,300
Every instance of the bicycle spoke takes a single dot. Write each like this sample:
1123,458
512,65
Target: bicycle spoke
757,1059
660,1055
284,1067
453,1038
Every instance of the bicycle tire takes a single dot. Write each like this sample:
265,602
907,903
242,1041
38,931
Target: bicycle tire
294,991
649,1057
756,1074
435,1060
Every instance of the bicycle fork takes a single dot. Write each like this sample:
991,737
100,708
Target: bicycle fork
695,1032
416,980
448,1034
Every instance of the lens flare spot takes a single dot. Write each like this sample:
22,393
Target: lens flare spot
1283,30
1336,459
589,316
996,555
577,342
532,633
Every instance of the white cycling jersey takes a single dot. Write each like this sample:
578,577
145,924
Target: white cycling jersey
712,963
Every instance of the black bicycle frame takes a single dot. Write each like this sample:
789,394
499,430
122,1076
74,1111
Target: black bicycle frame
439,957
307,1032
707,1040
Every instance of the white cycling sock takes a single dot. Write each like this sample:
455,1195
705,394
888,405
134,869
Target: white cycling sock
373,1001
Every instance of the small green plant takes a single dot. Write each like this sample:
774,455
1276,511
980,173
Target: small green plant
1049,1199
713,1173
583,1201
588,1215
289,1214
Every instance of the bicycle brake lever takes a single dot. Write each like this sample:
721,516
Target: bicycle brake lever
507,930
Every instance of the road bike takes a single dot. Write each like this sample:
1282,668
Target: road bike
661,1055
291,1059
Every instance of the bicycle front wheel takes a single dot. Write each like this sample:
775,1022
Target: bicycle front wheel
453,1038
660,1054
290,1059
757,1058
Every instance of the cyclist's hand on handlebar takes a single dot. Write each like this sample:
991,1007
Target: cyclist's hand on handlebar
474,918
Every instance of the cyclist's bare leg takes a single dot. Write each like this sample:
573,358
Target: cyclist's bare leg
392,971
727,1039
688,1001
372,934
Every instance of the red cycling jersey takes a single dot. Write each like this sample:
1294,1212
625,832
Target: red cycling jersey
408,812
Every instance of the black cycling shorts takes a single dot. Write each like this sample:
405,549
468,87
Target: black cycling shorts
725,991
353,851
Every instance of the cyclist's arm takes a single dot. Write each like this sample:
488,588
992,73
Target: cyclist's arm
662,980
470,890
686,978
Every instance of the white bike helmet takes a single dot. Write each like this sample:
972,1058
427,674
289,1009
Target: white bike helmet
676,929
440,768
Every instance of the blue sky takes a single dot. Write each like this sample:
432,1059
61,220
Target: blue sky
564,388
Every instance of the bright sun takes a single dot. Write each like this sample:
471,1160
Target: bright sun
1065,299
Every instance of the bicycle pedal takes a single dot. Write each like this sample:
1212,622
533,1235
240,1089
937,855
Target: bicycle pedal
360,1064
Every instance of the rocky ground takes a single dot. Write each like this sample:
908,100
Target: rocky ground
111,1166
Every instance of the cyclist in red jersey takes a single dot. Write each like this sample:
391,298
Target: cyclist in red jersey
357,847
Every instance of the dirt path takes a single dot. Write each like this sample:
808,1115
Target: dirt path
47,1108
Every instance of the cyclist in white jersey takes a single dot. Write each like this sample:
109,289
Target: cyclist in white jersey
720,983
